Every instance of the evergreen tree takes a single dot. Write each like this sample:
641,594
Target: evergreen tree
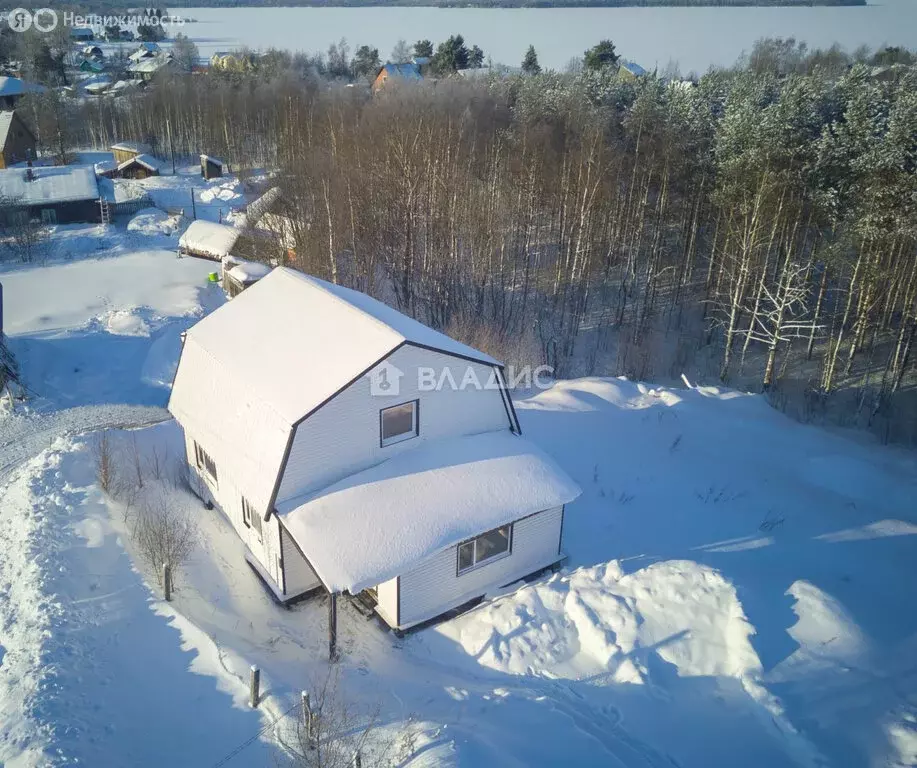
530,65
475,57
423,49
366,61
451,56
601,56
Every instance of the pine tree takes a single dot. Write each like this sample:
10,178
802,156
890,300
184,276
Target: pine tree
530,65
601,56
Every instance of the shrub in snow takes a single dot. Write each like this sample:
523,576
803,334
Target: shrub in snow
163,532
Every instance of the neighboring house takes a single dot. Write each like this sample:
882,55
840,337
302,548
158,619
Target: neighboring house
139,167
628,70
145,51
308,423
212,167
12,89
51,194
206,240
97,85
127,150
390,73
17,142
92,66
93,52
147,68
81,34
239,274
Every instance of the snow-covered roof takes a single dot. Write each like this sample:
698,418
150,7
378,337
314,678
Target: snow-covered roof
205,237
147,161
149,65
13,86
342,333
379,523
131,146
211,159
247,272
53,184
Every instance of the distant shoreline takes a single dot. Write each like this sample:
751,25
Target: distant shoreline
521,4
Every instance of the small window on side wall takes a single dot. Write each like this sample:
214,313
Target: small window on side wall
488,546
250,517
398,423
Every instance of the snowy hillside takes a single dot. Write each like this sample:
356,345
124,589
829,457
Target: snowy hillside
738,589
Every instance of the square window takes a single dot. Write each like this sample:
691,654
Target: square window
398,423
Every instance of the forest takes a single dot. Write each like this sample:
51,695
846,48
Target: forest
755,228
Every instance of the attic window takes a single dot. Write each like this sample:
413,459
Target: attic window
398,423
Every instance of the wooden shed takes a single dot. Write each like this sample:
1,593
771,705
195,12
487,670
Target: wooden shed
126,150
212,167
139,167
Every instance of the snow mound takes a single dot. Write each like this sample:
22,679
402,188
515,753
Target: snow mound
226,191
153,222
598,621
126,322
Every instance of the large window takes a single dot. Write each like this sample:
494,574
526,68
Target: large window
205,463
398,423
250,517
488,546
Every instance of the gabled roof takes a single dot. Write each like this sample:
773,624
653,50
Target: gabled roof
147,161
633,68
409,71
6,122
297,340
383,521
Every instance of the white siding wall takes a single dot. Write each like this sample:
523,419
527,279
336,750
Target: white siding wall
342,437
228,499
298,575
433,587
387,601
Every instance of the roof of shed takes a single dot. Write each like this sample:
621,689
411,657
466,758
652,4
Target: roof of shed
297,340
131,146
147,161
209,238
58,184
380,523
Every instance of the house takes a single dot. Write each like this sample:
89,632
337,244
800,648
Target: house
145,51
81,34
313,421
147,68
401,73
92,66
212,167
207,240
12,89
239,274
17,142
93,52
138,167
125,150
96,85
628,70
51,194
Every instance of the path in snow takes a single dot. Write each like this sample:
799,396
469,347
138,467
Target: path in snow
24,437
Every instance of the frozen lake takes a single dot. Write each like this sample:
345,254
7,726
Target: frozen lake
695,37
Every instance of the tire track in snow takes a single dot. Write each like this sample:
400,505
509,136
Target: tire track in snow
24,437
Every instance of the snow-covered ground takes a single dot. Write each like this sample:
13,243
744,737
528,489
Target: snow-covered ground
738,590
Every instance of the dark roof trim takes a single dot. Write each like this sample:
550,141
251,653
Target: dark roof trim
295,424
